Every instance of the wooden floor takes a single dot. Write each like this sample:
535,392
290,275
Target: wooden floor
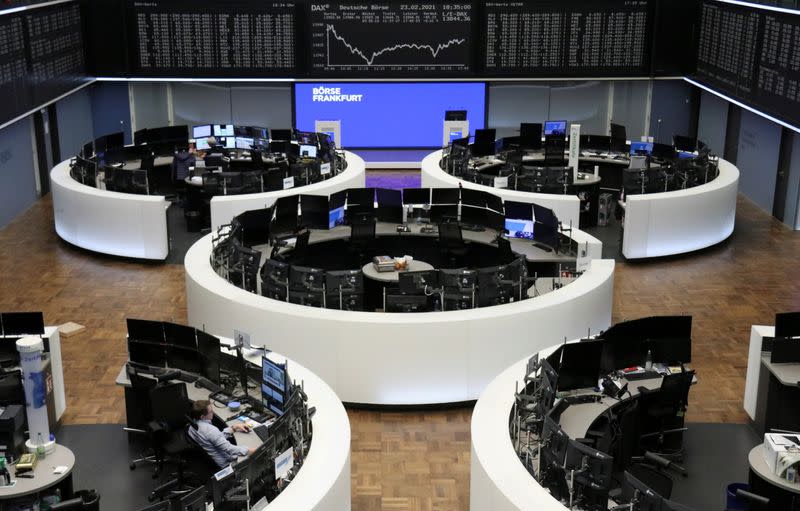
404,461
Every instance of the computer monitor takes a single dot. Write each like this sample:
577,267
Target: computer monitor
485,136
349,281
554,442
274,385
227,142
314,211
222,130
209,347
306,279
407,303
596,466
473,216
618,132
201,144
530,135
115,140
243,143
145,330
286,211
663,152
641,148
390,205
147,353
308,151
445,196
476,198
195,500
669,350
275,272
88,150
620,353
11,390
180,335
361,197
787,324
202,131
280,134
185,359
646,498
556,128
416,196
22,323
418,282
519,228
785,350
457,278
596,142
580,365
684,144
460,142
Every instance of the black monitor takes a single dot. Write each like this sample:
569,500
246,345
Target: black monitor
314,211
785,350
621,353
457,278
495,203
302,278
180,335
596,467
336,209
418,282
274,385
407,303
88,150
646,498
147,353
530,135
443,213
684,144
195,500
485,136
787,324
554,442
663,152
349,281
254,226
285,220
164,505
170,403
651,327
185,359
473,216
618,132
669,350
11,389
145,330
460,142
580,365
416,195
361,197
596,142
209,347
140,137
22,323
115,140
477,198
390,205
455,115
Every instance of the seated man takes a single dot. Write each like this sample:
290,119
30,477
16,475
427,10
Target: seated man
214,441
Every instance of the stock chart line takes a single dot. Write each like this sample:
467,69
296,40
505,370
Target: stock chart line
330,29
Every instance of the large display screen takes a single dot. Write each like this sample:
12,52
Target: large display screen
391,38
753,55
567,37
388,114
41,56
231,38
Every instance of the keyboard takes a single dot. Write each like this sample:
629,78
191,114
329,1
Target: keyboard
262,432
646,375
587,398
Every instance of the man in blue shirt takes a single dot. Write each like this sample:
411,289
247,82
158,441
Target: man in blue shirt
214,441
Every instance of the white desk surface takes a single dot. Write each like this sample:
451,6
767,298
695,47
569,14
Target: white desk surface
393,276
43,476
759,465
787,374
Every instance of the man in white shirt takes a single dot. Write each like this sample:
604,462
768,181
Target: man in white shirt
214,441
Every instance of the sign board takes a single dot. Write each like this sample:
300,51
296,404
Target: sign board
574,149
454,130
331,128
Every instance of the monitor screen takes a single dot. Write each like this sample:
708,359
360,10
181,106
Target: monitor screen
580,365
203,131
243,142
308,151
787,324
209,347
201,144
228,142
145,330
147,353
641,148
23,323
223,130
180,335
555,128
273,374
520,210
389,114
416,195
519,228
11,390
445,196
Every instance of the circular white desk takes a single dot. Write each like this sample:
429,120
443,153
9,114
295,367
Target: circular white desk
400,359
225,207
680,221
393,276
498,479
130,225
323,482
43,476
115,223
566,207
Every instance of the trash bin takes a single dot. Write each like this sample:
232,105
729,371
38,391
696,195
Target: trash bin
193,221
731,502
604,208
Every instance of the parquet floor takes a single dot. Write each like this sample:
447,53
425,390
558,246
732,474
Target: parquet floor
415,461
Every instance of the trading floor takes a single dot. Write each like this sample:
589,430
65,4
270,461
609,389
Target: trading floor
417,460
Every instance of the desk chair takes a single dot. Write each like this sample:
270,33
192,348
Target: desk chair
451,244
665,404
554,148
362,236
82,500
139,182
218,160
140,387
231,182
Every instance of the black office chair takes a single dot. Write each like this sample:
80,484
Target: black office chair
139,182
451,244
554,147
218,160
231,182
657,481
663,406
362,236
140,393
82,500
